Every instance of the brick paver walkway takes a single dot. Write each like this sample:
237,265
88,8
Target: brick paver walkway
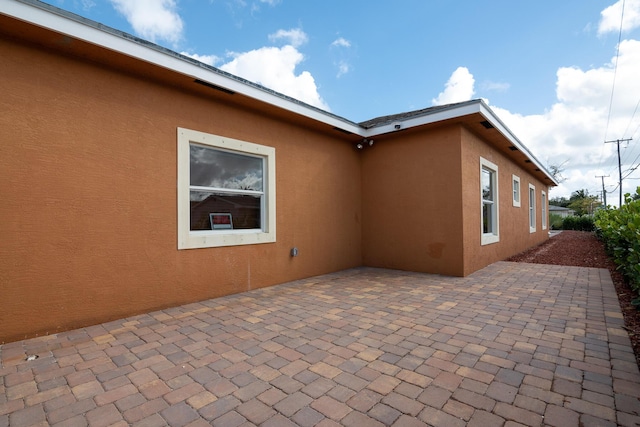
513,344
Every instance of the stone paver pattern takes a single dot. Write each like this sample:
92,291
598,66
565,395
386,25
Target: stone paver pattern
512,344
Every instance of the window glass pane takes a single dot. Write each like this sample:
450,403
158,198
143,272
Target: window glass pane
487,226
532,220
244,211
487,187
216,168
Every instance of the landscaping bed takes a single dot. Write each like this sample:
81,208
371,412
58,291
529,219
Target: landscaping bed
584,249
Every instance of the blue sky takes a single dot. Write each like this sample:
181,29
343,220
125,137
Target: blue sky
547,67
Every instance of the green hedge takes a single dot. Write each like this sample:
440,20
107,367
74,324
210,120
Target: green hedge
619,229
579,223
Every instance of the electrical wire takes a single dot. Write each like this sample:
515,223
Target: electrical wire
615,73
631,121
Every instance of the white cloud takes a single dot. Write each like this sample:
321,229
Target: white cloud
275,68
573,129
341,42
87,4
495,86
343,68
270,2
340,48
611,16
152,19
295,37
207,59
458,88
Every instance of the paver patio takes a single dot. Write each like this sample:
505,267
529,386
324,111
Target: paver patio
512,344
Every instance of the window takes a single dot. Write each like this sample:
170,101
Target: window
489,200
516,191
226,191
543,205
532,209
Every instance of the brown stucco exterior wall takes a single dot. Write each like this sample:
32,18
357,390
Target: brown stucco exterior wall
88,187
422,208
412,202
515,236
88,181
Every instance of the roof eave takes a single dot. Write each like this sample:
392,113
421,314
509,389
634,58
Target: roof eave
506,132
476,106
69,24
451,112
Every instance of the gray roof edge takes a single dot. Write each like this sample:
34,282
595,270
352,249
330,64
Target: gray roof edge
396,122
381,122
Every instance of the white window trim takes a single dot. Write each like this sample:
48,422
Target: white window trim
188,239
516,202
543,209
532,209
494,237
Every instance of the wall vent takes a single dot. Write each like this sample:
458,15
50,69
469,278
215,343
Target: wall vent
342,130
212,86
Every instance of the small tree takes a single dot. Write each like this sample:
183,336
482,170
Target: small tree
559,201
582,203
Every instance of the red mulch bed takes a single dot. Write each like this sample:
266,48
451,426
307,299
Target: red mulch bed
584,249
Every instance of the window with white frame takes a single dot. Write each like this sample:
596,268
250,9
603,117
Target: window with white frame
489,201
543,206
532,208
516,190
226,191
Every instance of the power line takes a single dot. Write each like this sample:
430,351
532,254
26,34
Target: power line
615,71
635,110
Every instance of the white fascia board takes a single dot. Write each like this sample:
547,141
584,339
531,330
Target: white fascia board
473,107
66,23
428,118
60,21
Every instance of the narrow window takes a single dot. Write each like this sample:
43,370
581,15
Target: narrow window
489,202
532,209
543,205
226,191
516,191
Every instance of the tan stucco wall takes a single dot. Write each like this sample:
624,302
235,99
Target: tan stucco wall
88,186
515,236
412,202
422,209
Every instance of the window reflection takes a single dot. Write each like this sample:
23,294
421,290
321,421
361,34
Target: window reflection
487,191
225,184
222,169
244,209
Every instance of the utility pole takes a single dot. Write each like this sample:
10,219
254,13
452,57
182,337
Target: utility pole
618,141
604,192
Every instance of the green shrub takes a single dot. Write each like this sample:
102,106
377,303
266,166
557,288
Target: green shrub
555,221
579,223
619,229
